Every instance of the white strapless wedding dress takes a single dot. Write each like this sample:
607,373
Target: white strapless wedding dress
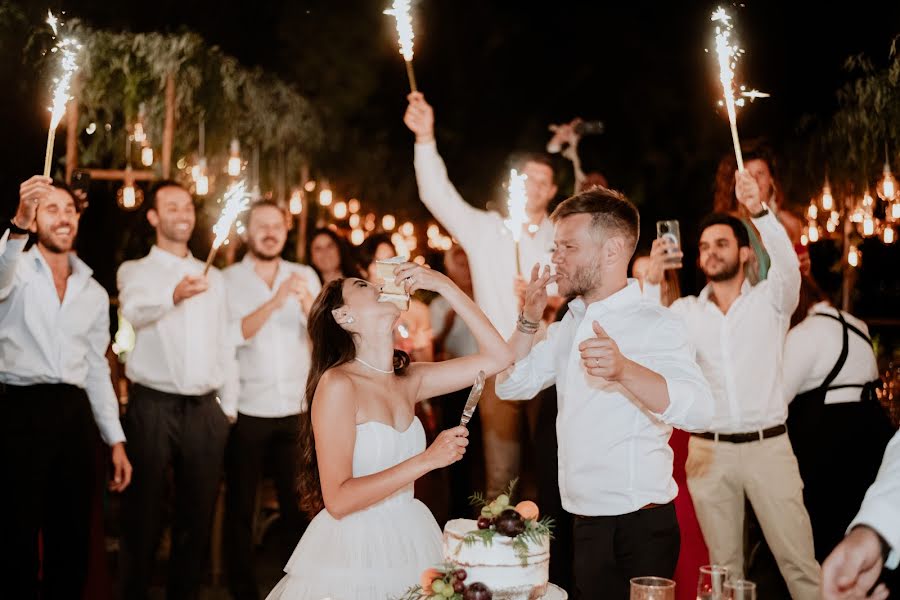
376,553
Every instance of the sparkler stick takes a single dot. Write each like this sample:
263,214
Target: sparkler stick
400,12
728,52
67,49
236,201
515,203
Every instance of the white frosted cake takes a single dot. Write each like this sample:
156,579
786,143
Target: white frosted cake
514,568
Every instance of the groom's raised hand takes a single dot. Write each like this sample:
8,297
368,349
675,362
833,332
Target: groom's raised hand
600,355
536,293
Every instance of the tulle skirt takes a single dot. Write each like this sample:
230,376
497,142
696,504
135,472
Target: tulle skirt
374,554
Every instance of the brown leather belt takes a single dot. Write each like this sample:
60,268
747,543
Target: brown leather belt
743,438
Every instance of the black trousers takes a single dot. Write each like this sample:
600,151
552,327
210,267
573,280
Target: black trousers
610,551
188,434
253,442
47,442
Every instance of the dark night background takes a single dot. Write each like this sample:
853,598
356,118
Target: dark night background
497,74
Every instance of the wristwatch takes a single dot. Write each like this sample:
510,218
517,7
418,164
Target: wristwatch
13,228
762,213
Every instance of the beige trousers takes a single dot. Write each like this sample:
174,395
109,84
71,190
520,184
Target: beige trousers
719,474
501,431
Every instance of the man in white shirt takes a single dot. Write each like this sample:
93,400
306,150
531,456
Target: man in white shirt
55,390
493,259
873,538
738,332
625,376
268,301
180,368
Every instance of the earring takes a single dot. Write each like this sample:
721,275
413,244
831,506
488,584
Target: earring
349,321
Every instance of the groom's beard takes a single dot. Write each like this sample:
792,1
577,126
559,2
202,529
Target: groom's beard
582,281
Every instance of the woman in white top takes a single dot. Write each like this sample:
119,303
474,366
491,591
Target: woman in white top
835,421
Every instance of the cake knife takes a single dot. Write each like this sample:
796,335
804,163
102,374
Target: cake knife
474,397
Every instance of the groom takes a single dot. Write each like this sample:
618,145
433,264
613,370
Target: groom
625,375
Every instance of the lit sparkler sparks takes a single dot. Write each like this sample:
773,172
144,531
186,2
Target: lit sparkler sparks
728,53
515,204
236,201
67,49
400,11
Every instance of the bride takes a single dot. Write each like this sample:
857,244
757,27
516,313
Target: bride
362,447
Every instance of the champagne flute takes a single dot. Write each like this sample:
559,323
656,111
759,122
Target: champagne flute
652,588
711,585
740,589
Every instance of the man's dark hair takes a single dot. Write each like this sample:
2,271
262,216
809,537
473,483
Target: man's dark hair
610,211
260,204
62,185
541,158
737,226
162,184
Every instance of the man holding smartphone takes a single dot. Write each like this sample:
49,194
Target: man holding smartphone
738,333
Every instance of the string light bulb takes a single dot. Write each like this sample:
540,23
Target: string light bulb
388,222
234,159
827,198
295,203
325,197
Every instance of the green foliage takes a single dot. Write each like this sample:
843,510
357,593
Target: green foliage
119,71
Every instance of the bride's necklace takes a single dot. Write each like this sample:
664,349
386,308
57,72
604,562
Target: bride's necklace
374,368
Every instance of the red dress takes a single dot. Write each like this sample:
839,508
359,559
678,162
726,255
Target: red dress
693,553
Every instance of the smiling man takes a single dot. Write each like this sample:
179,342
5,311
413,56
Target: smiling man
54,386
738,331
182,364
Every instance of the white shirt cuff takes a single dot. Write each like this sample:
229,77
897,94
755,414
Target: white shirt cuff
884,517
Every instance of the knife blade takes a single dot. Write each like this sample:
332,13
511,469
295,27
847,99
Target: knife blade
474,397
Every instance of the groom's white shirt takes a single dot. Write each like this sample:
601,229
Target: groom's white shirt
614,456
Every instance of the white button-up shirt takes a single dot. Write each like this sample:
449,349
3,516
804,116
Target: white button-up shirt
274,363
741,352
881,507
185,349
812,349
485,238
43,340
614,456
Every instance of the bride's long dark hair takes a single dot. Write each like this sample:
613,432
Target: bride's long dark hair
332,345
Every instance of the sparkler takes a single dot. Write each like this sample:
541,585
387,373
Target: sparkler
728,53
515,204
400,12
236,201
67,49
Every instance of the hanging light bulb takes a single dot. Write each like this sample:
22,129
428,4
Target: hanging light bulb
895,210
201,181
804,240
887,187
853,256
234,159
147,156
129,197
295,204
354,221
353,206
813,210
370,222
325,197
388,222
407,229
831,226
887,234
868,225
868,201
340,210
309,185
357,236
813,232
827,198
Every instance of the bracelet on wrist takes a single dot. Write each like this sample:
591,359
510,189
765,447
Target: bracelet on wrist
526,326
15,229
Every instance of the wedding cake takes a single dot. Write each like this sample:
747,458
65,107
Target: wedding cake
507,548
